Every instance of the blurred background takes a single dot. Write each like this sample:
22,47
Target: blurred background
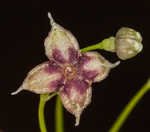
25,25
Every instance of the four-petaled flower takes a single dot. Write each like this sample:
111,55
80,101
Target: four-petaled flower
68,71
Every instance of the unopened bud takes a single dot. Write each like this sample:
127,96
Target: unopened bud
128,43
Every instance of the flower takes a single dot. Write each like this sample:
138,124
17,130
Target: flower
128,43
68,71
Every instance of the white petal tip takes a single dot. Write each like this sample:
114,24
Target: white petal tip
77,123
17,91
111,65
115,64
52,22
50,16
77,120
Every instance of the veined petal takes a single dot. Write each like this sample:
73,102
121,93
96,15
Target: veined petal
95,67
44,78
58,42
75,96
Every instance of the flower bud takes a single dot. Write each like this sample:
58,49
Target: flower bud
128,43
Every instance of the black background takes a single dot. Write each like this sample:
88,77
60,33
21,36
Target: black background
24,27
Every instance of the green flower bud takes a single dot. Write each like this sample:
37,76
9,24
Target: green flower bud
128,43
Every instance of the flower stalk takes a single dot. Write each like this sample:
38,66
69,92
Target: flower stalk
43,99
107,44
129,107
59,117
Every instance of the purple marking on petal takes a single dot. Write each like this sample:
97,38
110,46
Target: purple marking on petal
83,60
52,67
73,55
67,87
79,85
57,84
89,74
58,56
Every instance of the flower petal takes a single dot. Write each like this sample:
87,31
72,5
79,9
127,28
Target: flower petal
95,67
75,96
44,78
58,43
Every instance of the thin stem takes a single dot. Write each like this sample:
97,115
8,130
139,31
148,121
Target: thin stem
107,44
129,107
43,99
59,120
92,47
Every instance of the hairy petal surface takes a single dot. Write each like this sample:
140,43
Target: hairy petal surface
75,96
59,40
44,78
95,67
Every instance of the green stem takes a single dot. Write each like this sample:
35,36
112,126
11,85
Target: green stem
107,44
59,120
92,47
129,107
43,99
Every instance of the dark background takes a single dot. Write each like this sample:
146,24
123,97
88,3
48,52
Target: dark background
25,25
